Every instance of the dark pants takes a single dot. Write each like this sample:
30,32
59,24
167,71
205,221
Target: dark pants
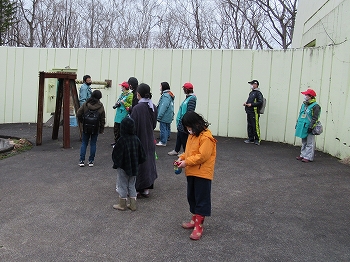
116,131
253,126
181,140
198,195
84,143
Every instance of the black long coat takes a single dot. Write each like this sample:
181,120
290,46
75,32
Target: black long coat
145,122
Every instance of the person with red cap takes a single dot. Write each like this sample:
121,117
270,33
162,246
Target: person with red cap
122,106
189,104
308,115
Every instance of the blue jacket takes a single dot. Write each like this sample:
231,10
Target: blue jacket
84,93
166,107
189,104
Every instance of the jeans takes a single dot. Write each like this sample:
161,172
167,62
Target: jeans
198,195
125,184
85,141
164,132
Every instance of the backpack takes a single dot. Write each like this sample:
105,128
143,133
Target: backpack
91,122
262,108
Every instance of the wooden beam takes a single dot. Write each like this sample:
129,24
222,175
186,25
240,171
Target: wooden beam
66,103
39,122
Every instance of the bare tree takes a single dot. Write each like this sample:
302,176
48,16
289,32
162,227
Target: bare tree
271,20
154,23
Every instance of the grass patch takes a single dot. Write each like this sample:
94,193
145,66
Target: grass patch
20,145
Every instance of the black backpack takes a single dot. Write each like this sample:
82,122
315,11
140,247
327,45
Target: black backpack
91,122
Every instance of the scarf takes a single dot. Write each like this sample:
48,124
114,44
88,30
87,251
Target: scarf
148,101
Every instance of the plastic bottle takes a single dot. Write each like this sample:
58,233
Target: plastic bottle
177,169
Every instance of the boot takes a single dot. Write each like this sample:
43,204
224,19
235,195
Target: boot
188,225
198,228
132,205
121,205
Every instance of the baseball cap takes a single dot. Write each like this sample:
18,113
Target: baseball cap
188,85
254,82
124,84
309,92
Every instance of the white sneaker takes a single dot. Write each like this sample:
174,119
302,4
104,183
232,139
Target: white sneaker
172,153
160,144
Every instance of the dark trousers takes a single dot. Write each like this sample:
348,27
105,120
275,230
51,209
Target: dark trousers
181,140
253,126
116,131
198,195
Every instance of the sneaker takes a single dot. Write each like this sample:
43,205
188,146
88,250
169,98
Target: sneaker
257,143
81,163
172,153
160,144
91,163
248,141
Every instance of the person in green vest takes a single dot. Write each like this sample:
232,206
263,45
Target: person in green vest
122,107
189,104
308,115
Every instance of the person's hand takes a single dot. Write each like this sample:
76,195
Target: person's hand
309,130
181,163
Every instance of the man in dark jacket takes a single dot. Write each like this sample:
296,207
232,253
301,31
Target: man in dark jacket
252,108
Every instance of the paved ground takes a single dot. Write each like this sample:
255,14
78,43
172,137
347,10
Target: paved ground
266,206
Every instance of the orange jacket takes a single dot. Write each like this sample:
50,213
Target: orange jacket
200,155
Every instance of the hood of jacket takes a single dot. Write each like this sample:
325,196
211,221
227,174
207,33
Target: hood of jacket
170,93
95,106
127,126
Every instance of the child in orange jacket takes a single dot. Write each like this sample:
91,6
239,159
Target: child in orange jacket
198,161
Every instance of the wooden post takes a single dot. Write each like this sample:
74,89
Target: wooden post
66,125
39,122
64,91
57,115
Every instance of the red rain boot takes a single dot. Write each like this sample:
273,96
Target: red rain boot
198,228
188,225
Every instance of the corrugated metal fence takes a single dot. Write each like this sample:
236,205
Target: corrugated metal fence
220,82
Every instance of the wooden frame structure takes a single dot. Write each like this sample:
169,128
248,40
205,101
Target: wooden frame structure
66,88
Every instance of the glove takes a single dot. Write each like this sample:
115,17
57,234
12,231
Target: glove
309,130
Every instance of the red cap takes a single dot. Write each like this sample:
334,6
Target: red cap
188,85
309,92
125,84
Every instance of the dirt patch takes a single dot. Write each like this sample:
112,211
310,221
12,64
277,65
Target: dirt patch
345,161
19,146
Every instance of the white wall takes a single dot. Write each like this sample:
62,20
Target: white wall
220,81
327,21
